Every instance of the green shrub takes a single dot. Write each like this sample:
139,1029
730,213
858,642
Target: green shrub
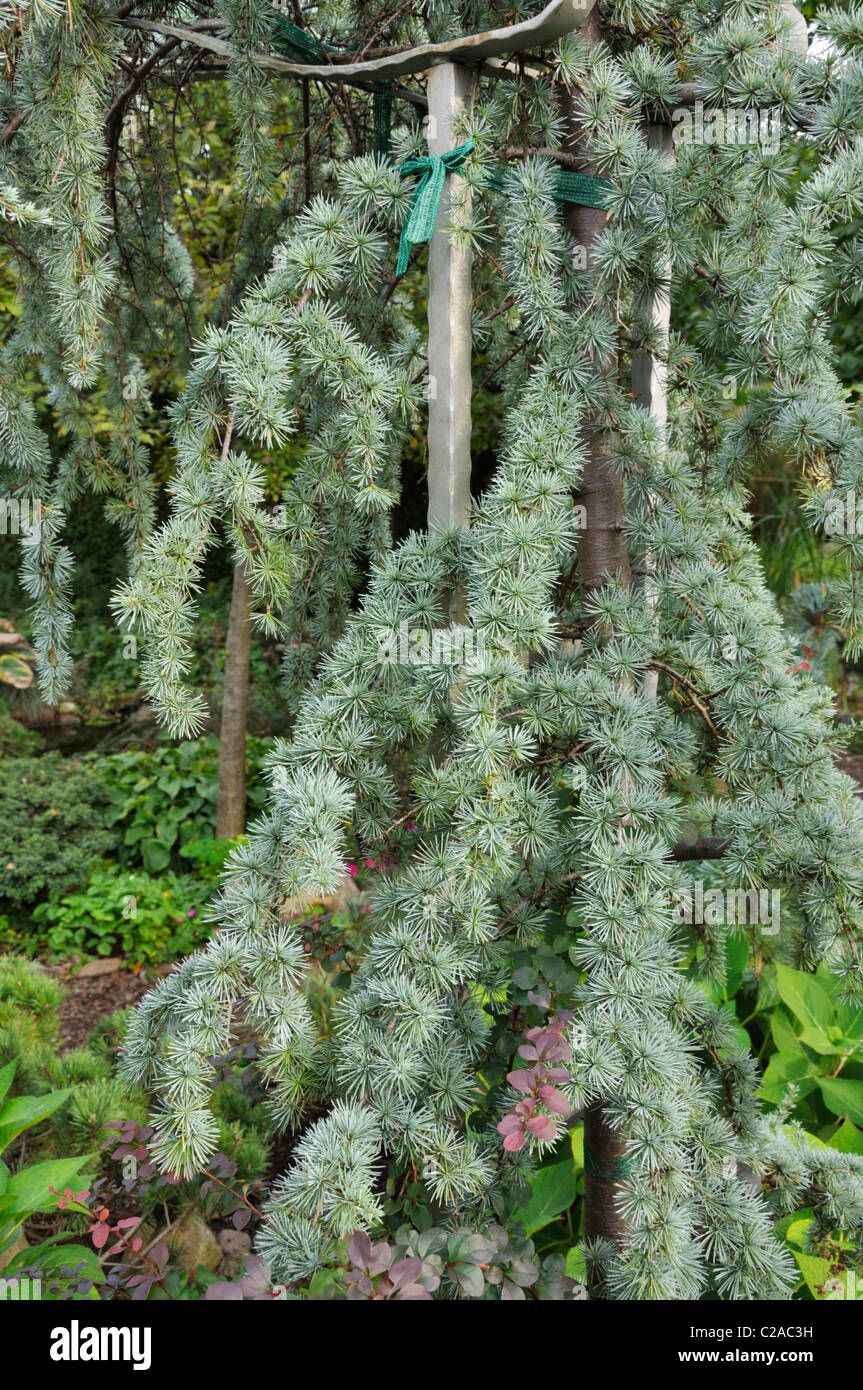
108,1033
126,913
208,855
26,990
93,1106
33,1187
244,1123
29,1003
16,740
52,826
164,799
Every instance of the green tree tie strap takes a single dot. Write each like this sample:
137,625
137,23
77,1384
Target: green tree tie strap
298,44
422,215
614,1171
302,47
588,190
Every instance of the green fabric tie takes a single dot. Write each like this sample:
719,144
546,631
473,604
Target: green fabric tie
297,44
588,190
614,1171
422,215
302,47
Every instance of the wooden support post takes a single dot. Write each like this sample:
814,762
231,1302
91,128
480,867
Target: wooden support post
649,375
449,320
650,381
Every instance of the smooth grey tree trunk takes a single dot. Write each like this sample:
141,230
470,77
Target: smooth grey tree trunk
450,304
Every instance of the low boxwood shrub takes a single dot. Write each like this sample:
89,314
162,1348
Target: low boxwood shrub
53,829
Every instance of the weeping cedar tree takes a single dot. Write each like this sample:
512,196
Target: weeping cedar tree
625,687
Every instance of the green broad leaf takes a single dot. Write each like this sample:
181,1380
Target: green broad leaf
6,1078
29,1191
737,1031
768,994
815,1271
848,1139
736,958
469,1279
782,1069
156,856
25,1111
576,1139
576,1264
810,1004
849,1022
794,1229
843,1096
50,1258
525,978
784,1036
553,1191
5,1175
548,965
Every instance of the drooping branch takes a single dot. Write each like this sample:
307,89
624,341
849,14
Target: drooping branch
15,121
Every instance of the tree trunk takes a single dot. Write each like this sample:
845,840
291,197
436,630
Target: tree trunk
231,818
602,554
604,1165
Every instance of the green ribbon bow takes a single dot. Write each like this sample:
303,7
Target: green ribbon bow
422,215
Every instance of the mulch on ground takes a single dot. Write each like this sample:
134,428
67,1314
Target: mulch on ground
88,1000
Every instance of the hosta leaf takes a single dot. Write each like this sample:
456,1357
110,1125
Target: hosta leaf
785,1067
29,1189
15,672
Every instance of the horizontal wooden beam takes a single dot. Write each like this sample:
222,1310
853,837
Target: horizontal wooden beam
560,17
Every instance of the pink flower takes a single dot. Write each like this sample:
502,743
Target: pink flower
370,864
193,912
353,870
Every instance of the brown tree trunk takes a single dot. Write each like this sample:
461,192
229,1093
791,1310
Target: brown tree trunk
231,817
602,554
604,1165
